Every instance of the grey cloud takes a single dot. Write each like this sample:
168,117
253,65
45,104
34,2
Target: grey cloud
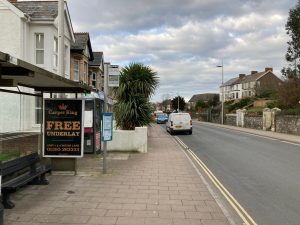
185,40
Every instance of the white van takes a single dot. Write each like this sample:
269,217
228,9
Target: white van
179,122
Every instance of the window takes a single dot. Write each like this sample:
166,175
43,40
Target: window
76,70
55,52
94,79
39,49
236,95
85,72
38,110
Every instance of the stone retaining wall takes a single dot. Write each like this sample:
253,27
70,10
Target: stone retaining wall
288,124
254,122
283,123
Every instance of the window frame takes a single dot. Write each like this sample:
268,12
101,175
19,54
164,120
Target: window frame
76,71
37,49
55,53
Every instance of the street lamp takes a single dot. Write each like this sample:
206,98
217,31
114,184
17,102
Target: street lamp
222,98
178,103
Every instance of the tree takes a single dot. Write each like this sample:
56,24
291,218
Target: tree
200,105
174,103
293,51
137,83
289,91
165,104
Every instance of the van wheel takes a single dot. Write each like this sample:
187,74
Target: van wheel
191,132
171,131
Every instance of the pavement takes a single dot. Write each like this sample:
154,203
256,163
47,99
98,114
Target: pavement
160,187
270,134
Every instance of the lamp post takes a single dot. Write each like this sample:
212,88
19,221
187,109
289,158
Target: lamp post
178,103
222,92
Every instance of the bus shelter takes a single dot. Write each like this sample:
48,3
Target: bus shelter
22,89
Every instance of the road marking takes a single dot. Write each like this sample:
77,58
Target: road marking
247,219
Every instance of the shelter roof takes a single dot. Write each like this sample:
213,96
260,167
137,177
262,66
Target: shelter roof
15,72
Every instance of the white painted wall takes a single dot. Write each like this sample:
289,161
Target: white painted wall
17,113
10,38
129,140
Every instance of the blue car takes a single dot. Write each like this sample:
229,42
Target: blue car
161,118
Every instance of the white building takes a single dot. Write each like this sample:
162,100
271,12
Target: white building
29,31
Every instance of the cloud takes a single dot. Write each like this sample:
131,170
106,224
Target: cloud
184,41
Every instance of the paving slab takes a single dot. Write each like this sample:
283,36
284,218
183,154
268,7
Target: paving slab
157,187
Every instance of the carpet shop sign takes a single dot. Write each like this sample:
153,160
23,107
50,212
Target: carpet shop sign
63,128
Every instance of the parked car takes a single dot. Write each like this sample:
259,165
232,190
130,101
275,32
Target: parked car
161,118
179,122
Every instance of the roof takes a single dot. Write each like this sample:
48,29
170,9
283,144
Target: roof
253,77
203,97
247,78
81,41
18,72
98,58
46,10
43,11
230,82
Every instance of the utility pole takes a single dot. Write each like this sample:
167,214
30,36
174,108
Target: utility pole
178,104
222,92
105,109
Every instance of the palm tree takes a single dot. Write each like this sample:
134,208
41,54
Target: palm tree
137,83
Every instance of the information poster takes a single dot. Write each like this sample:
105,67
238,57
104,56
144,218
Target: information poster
63,128
107,129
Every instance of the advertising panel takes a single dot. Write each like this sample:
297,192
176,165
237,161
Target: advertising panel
63,128
113,76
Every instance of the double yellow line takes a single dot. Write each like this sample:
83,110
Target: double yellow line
247,219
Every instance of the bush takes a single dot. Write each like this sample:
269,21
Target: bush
273,104
257,111
295,111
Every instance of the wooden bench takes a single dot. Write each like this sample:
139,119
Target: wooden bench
19,172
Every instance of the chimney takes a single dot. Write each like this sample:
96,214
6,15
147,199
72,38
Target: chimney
253,72
268,69
241,75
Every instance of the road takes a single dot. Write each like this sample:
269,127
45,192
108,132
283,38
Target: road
263,174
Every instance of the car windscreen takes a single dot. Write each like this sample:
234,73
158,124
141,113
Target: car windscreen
181,117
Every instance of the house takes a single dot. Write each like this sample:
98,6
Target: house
81,54
254,84
227,89
206,97
29,31
96,72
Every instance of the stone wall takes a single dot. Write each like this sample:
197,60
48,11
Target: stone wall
284,124
254,122
288,124
230,119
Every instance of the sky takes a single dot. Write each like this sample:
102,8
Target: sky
185,41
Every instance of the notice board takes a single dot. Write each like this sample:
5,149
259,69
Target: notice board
63,128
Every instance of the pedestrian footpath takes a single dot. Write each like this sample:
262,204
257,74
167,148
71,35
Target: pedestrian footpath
270,134
160,187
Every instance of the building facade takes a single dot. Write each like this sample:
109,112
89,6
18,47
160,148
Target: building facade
250,85
30,33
